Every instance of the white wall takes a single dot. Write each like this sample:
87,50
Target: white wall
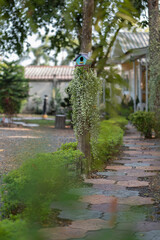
41,88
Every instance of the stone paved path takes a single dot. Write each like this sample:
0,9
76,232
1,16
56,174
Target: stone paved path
112,209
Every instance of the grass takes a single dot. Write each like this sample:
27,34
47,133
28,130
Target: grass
41,122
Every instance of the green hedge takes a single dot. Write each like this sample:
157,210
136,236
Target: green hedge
18,230
31,189
109,141
144,122
119,121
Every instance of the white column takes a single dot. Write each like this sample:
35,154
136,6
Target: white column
139,82
146,85
134,85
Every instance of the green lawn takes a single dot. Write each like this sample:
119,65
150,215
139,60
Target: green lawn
41,122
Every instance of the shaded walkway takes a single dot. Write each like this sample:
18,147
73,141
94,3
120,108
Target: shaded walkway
119,200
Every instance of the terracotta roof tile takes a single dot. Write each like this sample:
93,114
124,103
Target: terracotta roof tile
49,72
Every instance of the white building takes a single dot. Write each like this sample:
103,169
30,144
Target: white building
44,80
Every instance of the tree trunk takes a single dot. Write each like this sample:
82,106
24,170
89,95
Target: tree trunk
154,49
86,44
86,40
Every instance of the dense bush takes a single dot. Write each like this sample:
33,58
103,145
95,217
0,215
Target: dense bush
144,122
13,87
67,146
31,189
119,121
109,141
18,230
126,107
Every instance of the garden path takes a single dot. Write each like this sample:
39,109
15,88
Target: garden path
120,204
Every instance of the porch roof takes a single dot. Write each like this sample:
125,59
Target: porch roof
49,72
129,45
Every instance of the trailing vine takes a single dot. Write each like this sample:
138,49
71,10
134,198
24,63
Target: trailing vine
84,90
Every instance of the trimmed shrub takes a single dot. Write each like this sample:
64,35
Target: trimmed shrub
31,189
109,141
119,121
18,230
70,145
144,122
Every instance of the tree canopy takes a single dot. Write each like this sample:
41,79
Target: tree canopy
19,18
63,19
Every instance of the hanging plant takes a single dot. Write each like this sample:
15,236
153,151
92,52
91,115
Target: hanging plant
84,89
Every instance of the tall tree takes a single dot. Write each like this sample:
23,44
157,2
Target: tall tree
13,87
86,46
154,49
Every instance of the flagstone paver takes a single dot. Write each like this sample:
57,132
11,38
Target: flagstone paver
81,213
136,201
120,167
141,159
153,153
121,193
91,224
133,183
62,233
137,164
139,173
98,199
147,226
140,226
151,235
100,181
113,187
149,168
122,178
106,207
135,153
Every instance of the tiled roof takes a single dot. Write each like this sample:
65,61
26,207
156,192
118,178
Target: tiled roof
127,41
49,72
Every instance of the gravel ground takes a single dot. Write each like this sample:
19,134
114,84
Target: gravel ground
18,144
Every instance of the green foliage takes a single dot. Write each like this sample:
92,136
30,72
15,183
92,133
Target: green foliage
67,146
66,104
109,141
18,19
119,121
144,122
37,101
126,106
58,100
17,230
31,189
13,87
113,91
84,89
